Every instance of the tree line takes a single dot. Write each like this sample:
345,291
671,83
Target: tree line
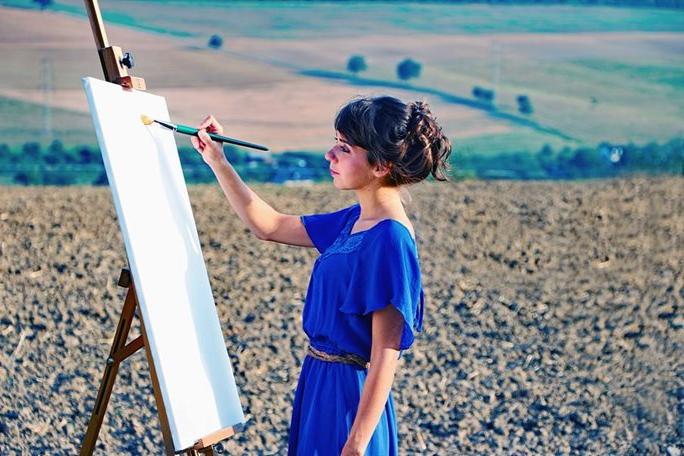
32,164
604,161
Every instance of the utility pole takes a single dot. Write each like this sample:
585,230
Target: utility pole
495,59
46,87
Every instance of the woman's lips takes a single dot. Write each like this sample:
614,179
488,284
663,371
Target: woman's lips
333,172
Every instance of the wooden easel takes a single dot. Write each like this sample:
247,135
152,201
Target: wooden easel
115,65
119,352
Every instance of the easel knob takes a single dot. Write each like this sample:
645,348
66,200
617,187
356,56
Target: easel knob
128,60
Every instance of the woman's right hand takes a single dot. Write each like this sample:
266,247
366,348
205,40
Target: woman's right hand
210,150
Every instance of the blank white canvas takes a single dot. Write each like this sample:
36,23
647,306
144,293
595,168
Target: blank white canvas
172,285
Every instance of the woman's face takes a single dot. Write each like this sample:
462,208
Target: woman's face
349,165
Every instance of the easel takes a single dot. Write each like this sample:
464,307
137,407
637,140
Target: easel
115,65
119,352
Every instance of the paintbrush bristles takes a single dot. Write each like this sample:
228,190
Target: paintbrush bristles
146,119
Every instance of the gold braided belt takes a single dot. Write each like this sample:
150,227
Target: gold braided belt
347,358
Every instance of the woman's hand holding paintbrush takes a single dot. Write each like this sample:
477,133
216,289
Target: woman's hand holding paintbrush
243,200
211,151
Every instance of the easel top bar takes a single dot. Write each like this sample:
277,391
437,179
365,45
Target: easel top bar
97,24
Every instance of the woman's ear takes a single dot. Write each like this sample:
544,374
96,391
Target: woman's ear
382,170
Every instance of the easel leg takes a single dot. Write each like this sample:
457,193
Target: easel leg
121,351
110,372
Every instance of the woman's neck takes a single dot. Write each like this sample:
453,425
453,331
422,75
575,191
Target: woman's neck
379,203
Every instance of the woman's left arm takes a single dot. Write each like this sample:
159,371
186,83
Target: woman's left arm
387,326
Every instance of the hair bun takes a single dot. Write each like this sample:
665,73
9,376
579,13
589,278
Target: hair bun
422,125
426,139
419,110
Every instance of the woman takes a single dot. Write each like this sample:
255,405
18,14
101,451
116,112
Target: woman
365,296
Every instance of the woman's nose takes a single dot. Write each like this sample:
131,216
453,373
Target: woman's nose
330,155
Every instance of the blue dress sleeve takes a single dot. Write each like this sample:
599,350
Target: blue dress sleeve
388,273
323,229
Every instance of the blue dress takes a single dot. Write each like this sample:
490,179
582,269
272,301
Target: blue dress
354,275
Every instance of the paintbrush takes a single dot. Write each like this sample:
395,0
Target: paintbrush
184,129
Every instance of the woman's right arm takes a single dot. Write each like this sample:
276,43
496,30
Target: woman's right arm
265,222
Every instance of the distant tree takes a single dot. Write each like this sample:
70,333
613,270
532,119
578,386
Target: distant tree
582,158
86,155
356,64
546,160
32,176
43,3
482,94
21,178
101,179
524,105
408,69
236,155
215,42
546,151
51,159
54,153
57,178
31,151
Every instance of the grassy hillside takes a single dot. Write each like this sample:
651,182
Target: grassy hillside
593,74
24,121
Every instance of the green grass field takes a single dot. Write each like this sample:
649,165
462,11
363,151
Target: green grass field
22,122
295,20
518,141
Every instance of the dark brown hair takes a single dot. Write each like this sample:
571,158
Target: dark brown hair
403,136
